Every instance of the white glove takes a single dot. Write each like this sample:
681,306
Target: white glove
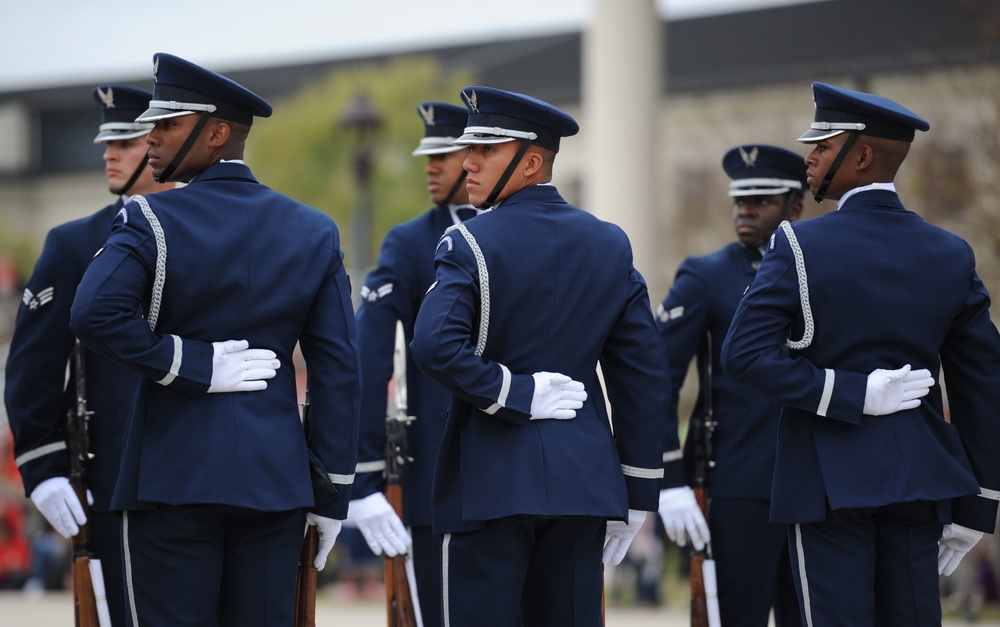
238,368
57,501
682,517
955,542
620,535
556,396
379,524
890,391
329,529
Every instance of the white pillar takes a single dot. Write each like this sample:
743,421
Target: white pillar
622,61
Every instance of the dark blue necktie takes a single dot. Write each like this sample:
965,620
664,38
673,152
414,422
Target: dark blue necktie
465,213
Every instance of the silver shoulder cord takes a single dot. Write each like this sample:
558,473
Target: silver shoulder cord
800,271
484,287
161,260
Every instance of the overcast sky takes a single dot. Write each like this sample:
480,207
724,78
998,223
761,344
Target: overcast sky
51,42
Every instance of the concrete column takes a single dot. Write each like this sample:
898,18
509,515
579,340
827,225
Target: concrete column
622,61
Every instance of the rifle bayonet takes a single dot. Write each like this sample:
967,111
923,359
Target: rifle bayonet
402,604
398,416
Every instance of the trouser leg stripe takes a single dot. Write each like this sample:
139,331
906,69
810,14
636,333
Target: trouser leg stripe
806,606
128,570
444,579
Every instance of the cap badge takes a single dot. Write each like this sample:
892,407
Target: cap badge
156,67
472,100
427,114
107,97
749,158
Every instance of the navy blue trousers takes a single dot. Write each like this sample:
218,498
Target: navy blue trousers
529,571
752,568
868,567
211,566
106,543
427,567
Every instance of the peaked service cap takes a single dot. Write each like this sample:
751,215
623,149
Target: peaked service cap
839,110
181,87
120,105
497,116
762,170
443,122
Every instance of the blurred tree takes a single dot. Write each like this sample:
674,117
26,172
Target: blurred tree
304,151
954,182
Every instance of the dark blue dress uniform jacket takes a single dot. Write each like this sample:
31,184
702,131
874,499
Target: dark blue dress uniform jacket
393,291
38,394
563,295
243,262
702,301
886,289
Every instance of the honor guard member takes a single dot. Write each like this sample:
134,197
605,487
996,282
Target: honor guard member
753,577
848,323
393,292
38,394
531,484
216,479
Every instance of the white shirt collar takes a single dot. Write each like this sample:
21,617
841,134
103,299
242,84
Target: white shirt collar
889,187
453,210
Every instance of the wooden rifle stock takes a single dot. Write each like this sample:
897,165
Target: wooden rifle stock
84,598
401,607
702,430
85,601
699,602
399,603
305,577
305,580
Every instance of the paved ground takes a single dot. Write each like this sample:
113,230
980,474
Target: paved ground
55,610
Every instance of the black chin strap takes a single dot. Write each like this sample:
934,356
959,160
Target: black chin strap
454,188
506,176
135,176
169,170
832,170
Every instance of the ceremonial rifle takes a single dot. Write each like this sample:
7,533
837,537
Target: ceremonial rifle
704,591
402,603
305,579
90,603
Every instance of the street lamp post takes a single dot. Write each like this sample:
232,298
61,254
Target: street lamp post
362,119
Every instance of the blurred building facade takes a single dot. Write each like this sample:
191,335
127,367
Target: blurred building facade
724,79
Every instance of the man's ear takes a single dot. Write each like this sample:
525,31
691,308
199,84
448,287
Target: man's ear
864,157
532,163
219,133
795,211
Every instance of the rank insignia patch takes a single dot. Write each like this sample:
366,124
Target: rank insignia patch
35,301
666,316
446,240
371,295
